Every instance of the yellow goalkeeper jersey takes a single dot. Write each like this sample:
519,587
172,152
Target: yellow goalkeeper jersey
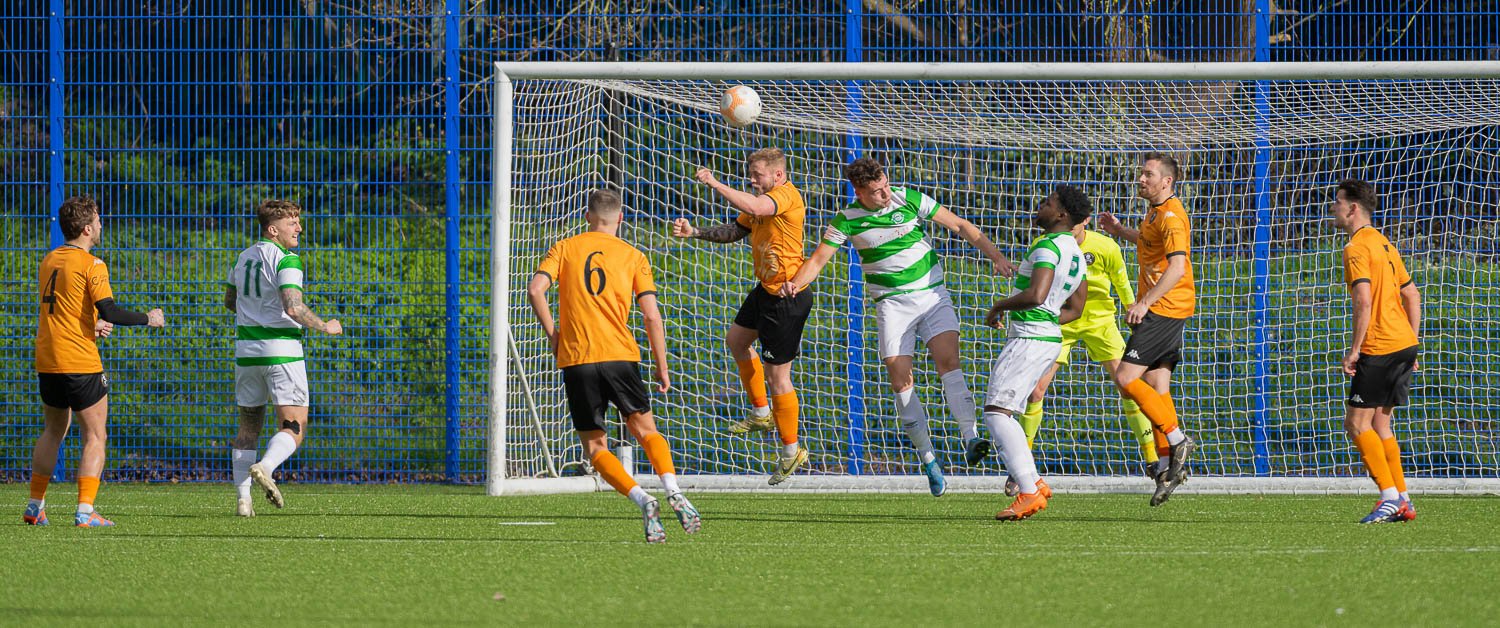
1106,267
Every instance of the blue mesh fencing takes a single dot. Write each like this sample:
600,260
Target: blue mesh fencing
181,115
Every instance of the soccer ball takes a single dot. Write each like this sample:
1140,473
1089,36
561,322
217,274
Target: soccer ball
740,106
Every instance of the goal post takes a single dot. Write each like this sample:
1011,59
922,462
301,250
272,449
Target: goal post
1261,145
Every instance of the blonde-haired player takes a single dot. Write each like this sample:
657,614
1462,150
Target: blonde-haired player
772,218
598,275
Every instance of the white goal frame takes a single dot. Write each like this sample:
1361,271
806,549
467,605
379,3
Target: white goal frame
501,345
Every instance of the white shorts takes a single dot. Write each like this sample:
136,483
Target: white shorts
902,319
279,384
1021,364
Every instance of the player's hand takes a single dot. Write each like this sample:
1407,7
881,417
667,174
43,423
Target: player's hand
681,228
1350,359
333,327
663,379
155,318
552,341
705,175
1109,223
789,289
993,318
1004,267
103,328
1416,365
1136,313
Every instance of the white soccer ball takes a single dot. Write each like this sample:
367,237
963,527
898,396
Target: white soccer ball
740,106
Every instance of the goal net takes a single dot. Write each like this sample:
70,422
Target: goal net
1261,147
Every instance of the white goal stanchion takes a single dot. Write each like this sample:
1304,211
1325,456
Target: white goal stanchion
1262,146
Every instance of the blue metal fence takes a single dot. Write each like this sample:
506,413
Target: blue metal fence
181,115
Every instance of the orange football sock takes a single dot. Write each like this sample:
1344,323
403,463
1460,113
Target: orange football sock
1163,448
39,485
1157,407
753,377
612,471
658,452
784,409
1393,462
1373,453
88,489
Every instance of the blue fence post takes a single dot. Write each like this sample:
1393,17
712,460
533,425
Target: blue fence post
855,336
55,129
451,178
1262,247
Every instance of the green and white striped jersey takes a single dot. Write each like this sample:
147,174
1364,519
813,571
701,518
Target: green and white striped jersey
1060,252
893,248
265,334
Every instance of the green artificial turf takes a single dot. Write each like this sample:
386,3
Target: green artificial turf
441,555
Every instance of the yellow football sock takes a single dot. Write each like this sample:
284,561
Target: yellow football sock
1031,421
1140,427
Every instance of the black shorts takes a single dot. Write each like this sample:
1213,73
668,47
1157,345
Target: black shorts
592,387
778,321
77,392
1382,380
1156,342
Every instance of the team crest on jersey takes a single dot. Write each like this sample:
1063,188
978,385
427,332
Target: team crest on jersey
1088,259
899,217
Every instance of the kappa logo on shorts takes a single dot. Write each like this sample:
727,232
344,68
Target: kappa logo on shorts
1133,354
767,354
1356,399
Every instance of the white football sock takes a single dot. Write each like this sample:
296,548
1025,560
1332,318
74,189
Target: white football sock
278,450
1013,450
1406,496
85,508
1175,437
1389,494
239,462
669,483
787,451
914,422
640,497
961,404
760,412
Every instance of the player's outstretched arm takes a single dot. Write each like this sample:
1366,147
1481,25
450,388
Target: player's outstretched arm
1032,296
656,336
731,231
1114,227
1176,270
752,204
112,312
971,234
295,308
809,270
536,293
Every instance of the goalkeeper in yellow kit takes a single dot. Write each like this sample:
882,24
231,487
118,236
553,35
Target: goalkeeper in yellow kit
1097,329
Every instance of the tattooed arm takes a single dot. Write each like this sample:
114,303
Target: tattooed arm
731,231
295,308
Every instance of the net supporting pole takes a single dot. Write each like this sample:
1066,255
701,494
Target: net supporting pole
452,141
1262,250
855,336
500,161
